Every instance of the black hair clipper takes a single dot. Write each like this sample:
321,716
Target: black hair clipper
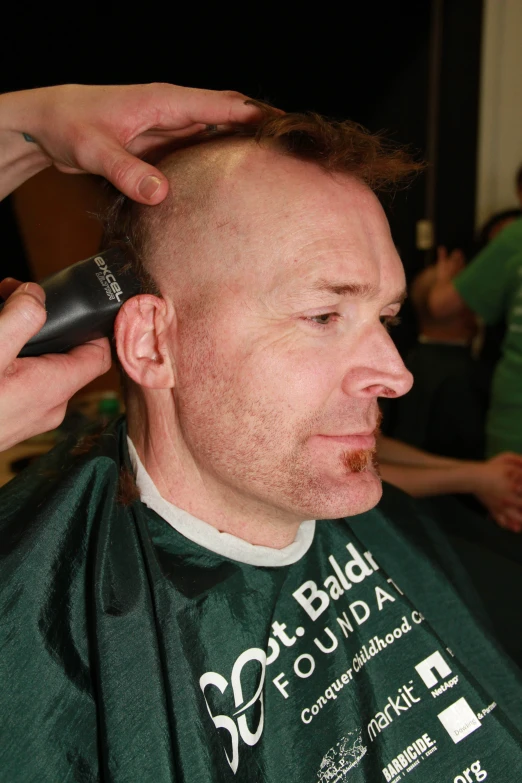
82,302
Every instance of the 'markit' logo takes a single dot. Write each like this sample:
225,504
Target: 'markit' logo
107,279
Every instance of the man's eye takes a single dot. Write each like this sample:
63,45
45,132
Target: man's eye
388,321
322,320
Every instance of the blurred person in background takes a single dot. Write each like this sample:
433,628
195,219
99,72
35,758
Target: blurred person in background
492,335
443,413
491,287
456,354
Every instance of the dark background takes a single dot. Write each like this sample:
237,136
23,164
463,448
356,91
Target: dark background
366,61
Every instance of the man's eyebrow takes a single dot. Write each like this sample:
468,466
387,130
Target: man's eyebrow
345,289
360,290
401,297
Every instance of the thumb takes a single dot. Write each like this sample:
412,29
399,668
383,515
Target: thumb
22,316
136,179
457,257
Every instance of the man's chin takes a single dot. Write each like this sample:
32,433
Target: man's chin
355,494
362,493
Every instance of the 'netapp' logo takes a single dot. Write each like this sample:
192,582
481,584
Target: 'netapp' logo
108,280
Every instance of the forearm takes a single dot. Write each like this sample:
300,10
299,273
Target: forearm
444,300
425,481
396,452
19,159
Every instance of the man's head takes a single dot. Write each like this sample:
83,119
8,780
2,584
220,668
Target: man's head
261,363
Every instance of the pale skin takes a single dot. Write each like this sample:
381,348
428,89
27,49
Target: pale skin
79,129
496,482
260,369
444,301
458,323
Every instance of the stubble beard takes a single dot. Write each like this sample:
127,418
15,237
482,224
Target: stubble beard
249,454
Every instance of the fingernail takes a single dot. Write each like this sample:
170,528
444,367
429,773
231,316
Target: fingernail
148,186
34,290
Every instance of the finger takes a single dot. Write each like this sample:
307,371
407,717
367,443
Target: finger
136,179
22,316
508,522
511,497
513,501
54,378
512,513
508,455
205,106
515,482
73,370
457,256
156,139
442,254
42,386
8,286
514,461
500,519
165,134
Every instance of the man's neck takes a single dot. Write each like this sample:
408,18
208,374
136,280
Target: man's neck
181,481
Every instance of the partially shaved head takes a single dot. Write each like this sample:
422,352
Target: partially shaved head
181,239
202,168
168,238
257,373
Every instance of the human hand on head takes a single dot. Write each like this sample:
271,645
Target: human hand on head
500,489
34,391
448,265
106,129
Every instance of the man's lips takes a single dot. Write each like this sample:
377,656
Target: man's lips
355,441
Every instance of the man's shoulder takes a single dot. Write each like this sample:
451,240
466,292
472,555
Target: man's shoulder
512,233
494,261
62,519
507,242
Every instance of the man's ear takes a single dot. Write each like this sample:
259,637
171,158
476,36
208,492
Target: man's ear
141,332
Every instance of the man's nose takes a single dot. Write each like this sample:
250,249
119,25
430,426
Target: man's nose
378,370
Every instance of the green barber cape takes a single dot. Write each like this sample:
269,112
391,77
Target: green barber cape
131,654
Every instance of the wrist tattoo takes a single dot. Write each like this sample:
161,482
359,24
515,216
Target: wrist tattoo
28,138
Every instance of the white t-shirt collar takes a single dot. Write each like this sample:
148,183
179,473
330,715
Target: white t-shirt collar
208,536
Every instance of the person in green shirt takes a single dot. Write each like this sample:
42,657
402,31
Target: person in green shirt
491,286
208,590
